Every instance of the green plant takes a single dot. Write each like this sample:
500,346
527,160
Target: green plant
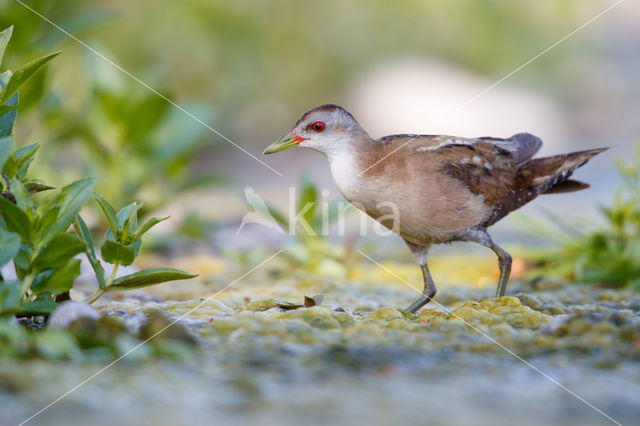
132,138
606,254
34,231
105,124
312,216
98,340
309,222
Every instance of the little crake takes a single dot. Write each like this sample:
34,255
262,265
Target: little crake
434,189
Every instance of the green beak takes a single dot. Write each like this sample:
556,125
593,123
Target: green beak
287,141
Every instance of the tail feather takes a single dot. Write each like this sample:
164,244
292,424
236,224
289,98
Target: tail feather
551,174
569,185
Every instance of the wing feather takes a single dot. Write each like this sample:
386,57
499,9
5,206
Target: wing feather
485,166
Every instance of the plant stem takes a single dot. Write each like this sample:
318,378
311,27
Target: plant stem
113,275
26,284
95,295
100,291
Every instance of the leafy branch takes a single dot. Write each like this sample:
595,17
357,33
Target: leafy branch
34,234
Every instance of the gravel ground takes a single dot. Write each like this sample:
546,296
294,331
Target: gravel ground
546,354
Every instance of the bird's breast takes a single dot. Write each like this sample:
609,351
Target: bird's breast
346,175
427,204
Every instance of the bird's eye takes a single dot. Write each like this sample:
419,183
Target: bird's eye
318,126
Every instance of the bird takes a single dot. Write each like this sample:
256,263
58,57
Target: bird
434,189
260,214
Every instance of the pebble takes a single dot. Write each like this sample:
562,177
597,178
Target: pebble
70,311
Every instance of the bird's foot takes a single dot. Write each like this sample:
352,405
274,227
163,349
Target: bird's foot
415,306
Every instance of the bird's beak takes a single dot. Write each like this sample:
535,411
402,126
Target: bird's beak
287,141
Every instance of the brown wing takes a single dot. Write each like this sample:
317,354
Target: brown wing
522,146
511,178
490,167
502,171
487,166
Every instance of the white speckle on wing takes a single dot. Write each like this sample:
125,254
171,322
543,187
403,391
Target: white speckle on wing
488,165
465,160
445,143
476,159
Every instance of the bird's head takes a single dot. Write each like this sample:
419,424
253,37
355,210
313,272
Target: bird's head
327,128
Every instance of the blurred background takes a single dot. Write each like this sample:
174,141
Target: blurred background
248,69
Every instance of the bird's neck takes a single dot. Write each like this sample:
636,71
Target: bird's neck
347,164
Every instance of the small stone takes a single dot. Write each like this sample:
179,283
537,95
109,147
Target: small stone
134,321
160,326
549,284
553,325
71,310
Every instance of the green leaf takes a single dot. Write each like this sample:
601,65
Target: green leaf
8,117
9,245
22,259
59,280
7,108
34,186
16,220
149,224
79,22
70,200
58,251
21,195
24,157
308,197
83,231
73,196
108,211
5,36
136,246
39,307
5,77
128,213
148,277
9,296
127,223
115,252
46,216
148,111
6,148
175,126
20,76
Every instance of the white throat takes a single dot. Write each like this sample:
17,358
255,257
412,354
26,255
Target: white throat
345,172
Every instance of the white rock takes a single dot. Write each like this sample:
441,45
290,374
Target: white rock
70,311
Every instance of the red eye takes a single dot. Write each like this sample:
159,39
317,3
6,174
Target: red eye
318,126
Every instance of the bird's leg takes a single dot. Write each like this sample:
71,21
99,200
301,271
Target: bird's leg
427,293
429,290
481,236
504,262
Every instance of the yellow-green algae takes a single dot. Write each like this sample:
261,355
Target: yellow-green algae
578,319
357,357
